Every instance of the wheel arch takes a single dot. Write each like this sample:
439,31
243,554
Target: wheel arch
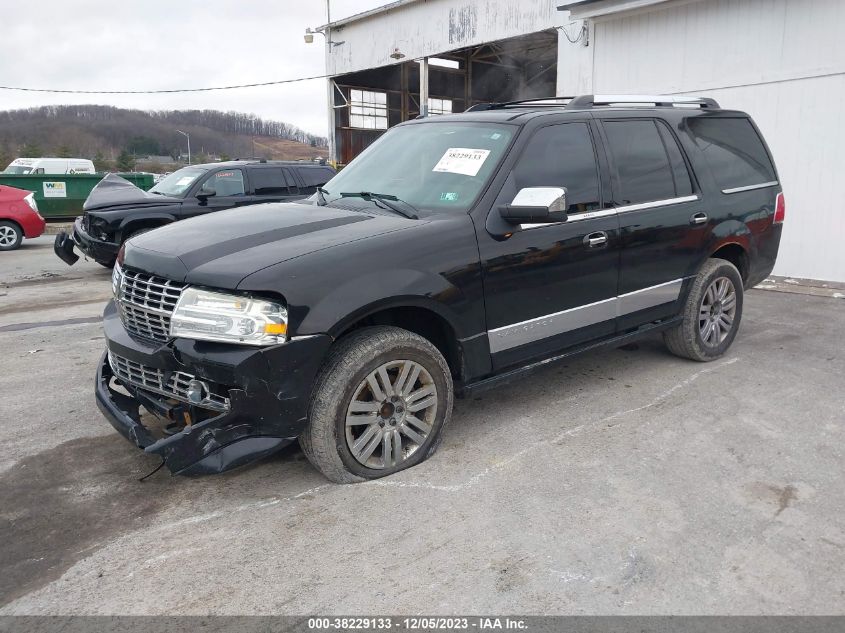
737,254
15,222
415,314
132,223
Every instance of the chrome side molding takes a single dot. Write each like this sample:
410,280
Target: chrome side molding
762,185
536,329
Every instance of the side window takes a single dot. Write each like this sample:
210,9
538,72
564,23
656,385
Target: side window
228,182
315,176
643,172
561,156
269,181
733,150
680,174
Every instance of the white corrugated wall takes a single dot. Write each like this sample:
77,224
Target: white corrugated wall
783,61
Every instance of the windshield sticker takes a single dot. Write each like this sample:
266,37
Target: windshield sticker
495,136
462,160
225,174
448,196
184,180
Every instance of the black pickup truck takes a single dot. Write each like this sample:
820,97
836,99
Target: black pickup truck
116,209
453,254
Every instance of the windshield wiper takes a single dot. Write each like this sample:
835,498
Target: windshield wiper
385,199
321,197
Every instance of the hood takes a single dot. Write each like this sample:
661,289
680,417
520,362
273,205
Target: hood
114,191
220,249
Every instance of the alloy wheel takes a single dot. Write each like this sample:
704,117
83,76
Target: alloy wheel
391,414
717,312
8,236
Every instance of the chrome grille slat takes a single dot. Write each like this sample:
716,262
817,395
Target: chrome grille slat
146,303
152,379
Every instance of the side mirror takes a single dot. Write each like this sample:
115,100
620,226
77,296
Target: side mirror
205,194
536,205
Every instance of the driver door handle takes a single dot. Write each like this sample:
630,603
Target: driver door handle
593,240
698,218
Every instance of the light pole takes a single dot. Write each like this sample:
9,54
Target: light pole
187,136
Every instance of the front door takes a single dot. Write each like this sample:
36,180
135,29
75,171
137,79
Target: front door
223,189
551,286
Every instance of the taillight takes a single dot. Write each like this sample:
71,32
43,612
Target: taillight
780,209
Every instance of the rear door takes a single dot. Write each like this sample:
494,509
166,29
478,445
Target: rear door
662,219
548,287
272,184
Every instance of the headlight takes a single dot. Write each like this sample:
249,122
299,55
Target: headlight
116,280
215,316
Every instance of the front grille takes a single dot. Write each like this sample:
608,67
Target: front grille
146,303
170,384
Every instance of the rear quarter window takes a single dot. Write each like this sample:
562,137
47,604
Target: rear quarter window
315,176
733,150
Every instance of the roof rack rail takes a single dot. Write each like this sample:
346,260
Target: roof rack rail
590,101
539,101
661,101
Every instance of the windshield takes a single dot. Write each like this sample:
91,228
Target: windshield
177,183
17,169
433,166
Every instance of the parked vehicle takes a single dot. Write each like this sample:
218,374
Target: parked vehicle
116,209
35,166
19,217
454,254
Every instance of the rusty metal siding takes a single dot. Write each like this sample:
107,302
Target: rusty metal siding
783,61
422,29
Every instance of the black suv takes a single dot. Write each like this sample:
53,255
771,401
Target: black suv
116,209
454,253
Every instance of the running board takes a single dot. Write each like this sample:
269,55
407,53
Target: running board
505,377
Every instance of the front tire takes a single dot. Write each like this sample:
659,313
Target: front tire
712,313
379,405
11,236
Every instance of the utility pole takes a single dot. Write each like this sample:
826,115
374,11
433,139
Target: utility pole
187,136
329,86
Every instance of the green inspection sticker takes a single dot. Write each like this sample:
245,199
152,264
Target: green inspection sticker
448,196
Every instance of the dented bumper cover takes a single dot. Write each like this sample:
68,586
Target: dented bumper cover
268,389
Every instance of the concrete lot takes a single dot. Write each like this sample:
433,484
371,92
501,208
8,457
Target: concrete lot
625,482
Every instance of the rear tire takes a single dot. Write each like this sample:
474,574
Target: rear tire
11,236
396,389
712,313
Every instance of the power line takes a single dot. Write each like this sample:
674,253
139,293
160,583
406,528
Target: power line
170,91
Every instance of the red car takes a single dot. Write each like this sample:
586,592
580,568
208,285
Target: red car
19,217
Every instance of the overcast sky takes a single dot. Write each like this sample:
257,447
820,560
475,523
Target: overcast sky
158,44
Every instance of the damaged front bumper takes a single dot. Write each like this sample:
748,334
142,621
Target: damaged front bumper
256,400
98,250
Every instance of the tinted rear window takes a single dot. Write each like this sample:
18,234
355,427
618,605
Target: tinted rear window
643,171
315,176
733,150
268,181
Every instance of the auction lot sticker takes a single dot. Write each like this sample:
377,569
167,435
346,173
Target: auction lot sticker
55,190
462,160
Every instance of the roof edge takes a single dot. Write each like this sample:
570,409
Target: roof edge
364,15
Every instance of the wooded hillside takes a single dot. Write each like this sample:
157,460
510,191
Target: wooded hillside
105,133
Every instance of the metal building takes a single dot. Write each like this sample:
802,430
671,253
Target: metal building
783,61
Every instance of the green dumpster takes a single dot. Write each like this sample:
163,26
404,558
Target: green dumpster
62,195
